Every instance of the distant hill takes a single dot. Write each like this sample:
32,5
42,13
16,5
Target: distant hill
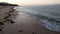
7,4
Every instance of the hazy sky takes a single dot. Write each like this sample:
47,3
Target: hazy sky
32,2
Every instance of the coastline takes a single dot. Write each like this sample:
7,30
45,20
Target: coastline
27,23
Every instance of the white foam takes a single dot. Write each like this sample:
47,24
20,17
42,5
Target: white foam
51,25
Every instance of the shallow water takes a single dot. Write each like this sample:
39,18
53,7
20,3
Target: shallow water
49,15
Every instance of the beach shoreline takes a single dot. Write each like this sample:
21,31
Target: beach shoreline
27,24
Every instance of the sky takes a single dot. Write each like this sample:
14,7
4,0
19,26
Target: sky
32,2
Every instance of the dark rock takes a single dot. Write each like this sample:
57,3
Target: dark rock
0,29
1,23
20,31
12,21
33,33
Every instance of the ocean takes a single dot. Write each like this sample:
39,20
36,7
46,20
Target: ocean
49,15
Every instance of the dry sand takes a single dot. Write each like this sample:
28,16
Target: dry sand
26,24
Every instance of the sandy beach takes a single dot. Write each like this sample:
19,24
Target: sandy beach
26,24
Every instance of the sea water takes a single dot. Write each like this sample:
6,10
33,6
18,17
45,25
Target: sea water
49,15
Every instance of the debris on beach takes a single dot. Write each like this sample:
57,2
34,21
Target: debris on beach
1,23
5,12
20,31
33,33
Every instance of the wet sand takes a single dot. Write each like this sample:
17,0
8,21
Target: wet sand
26,24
